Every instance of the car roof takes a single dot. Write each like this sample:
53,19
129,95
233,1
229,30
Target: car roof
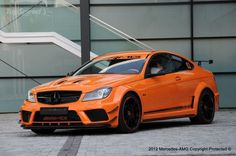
140,53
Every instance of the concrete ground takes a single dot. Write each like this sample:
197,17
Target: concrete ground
169,137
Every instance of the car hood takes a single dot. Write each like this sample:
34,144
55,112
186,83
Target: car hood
87,83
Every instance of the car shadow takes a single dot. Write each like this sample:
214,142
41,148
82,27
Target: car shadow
163,125
109,131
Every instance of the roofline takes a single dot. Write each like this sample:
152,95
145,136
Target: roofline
147,52
124,52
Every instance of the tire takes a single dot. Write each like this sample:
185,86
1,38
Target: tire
129,114
43,131
206,108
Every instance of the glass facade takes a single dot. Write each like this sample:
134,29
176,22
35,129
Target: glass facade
198,29
41,16
141,22
45,60
167,25
215,20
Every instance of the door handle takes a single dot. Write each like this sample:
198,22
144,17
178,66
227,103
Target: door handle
177,78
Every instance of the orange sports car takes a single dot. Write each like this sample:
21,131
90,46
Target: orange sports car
122,90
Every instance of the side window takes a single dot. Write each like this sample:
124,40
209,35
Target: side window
180,64
159,64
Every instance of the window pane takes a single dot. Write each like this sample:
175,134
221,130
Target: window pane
145,21
49,16
215,20
37,59
222,51
227,86
178,46
7,71
133,1
14,92
44,2
210,0
102,47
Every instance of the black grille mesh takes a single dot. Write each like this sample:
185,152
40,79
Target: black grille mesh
71,116
58,97
25,116
97,115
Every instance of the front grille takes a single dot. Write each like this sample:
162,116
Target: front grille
71,116
25,116
97,115
58,97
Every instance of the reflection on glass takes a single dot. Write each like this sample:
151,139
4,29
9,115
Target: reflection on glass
140,22
113,66
14,92
221,51
44,59
41,16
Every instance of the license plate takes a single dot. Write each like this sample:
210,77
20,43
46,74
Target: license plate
55,118
53,111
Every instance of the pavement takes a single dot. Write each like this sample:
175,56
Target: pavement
167,137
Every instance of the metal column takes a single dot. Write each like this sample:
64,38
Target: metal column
85,30
191,30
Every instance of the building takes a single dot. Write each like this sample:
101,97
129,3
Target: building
198,29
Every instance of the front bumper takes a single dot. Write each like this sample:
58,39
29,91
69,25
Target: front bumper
63,126
90,114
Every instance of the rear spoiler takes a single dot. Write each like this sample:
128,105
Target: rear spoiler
199,62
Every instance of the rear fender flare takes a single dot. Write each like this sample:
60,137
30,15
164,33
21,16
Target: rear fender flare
201,86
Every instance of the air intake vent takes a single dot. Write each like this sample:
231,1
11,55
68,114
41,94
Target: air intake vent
58,97
97,115
25,116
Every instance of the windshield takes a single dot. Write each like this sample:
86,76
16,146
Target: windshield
112,66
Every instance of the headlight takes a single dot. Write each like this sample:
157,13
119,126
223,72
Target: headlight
30,96
97,94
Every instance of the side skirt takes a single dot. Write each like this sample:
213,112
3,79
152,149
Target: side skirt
174,112
165,118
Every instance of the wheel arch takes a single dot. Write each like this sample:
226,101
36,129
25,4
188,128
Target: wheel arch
124,90
121,91
122,126
136,94
199,89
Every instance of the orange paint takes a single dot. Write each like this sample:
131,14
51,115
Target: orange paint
172,95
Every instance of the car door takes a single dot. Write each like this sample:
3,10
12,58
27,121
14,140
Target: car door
185,82
160,90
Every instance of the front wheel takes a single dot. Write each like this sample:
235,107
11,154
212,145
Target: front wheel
206,109
43,131
129,114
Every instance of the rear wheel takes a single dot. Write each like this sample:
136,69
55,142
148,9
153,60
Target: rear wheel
130,114
206,109
43,131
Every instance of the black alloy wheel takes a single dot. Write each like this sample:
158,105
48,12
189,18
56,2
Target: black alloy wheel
130,114
206,108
